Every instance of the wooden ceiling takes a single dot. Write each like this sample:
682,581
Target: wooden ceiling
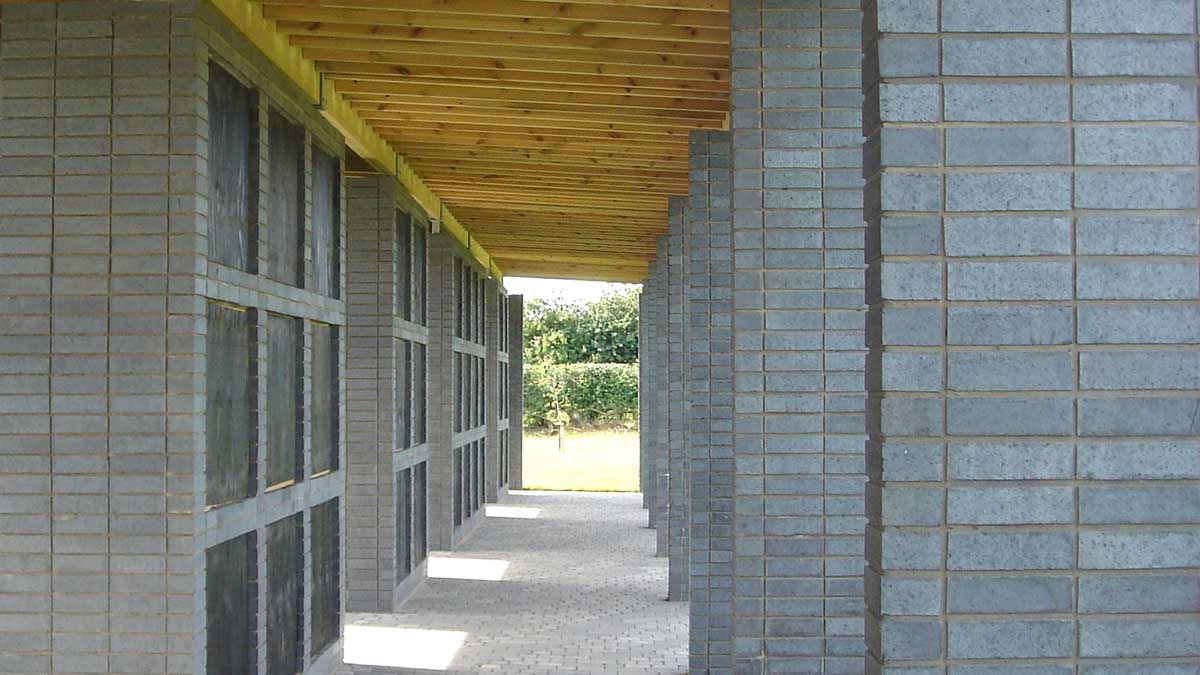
554,130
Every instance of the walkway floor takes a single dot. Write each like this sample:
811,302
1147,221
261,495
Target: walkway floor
581,593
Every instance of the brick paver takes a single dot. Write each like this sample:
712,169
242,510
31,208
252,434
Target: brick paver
583,593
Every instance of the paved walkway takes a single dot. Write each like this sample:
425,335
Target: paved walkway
582,593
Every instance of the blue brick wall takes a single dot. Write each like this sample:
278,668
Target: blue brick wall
647,419
679,418
710,390
105,164
662,399
1033,374
798,336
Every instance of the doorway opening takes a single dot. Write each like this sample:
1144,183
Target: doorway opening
581,385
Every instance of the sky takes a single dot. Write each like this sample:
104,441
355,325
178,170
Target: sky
570,291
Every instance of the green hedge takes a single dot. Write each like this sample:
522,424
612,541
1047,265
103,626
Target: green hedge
585,393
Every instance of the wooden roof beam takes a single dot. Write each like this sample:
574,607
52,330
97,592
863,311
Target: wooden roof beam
626,89
372,90
492,166
548,186
401,71
630,274
647,14
394,53
485,35
401,18
602,60
571,257
375,110
533,133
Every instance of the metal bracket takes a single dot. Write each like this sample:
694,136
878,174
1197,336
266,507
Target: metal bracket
321,90
435,224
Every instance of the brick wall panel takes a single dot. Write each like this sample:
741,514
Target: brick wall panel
1031,365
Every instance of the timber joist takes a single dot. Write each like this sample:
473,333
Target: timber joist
554,131
556,230
527,123
544,255
597,270
565,39
613,245
599,59
584,159
624,201
517,213
511,235
542,112
685,13
537,141
484,73
626,192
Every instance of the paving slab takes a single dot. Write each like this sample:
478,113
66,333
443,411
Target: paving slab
551,582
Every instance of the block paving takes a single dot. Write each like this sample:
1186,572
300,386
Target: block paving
583,593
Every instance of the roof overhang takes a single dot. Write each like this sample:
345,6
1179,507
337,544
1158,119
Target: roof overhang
546,135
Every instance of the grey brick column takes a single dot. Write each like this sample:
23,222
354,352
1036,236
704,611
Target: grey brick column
99,363
646,418
1033,328
798,337
662,448
441,390
384,333
678,411
710,391
655,421
370,389
491,326
104,286
516,390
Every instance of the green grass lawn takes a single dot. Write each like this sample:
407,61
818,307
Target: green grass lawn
598,461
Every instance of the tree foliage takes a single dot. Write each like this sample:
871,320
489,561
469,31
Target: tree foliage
581,361
604,331
572,393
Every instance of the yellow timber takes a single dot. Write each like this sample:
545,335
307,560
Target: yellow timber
248,18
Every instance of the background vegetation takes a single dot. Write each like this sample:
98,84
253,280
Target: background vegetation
581,362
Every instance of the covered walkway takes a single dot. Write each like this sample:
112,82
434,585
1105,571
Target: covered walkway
550,583
920,332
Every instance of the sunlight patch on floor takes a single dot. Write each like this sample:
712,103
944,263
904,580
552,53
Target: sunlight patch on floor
522,512
393,647
471,569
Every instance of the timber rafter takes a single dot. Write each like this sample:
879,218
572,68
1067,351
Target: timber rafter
554,130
